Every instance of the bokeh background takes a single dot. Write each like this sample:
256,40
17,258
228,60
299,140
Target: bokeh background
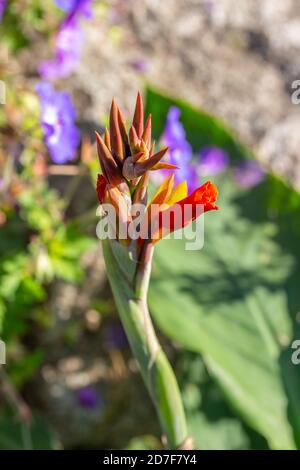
217,77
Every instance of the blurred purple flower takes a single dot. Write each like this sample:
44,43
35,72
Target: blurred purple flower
58,116
248,174
68,45
180,150
115,337
88,397
187,171
76,7
141,65
68,41
212,160
174,134
2,8
66,5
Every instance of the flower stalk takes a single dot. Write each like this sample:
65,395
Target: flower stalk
131,301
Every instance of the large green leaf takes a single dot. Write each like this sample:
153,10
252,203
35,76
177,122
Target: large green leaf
235,301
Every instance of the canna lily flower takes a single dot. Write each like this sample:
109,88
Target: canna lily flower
175,209
126,160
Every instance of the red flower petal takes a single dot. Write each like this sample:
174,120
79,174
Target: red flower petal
101,188
206,195
171,220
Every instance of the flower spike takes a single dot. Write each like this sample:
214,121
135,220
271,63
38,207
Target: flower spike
108,165
133,140
150,163
107,139
147,131
117,146
138,118
123,131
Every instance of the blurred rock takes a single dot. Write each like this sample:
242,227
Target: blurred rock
235,59
280,148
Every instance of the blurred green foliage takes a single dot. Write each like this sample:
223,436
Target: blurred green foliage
23,17
15,435
235,301
38,241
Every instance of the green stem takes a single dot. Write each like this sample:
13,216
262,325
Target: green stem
131,301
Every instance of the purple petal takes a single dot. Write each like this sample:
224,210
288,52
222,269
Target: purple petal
115,337
180,153
59,67
66,5
212,160
45,90
189,174
83,7
88,397
141,65
174,133
58,116
68,43
2,8
248,174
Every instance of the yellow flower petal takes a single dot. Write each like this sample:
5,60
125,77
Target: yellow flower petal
180,192
164,192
